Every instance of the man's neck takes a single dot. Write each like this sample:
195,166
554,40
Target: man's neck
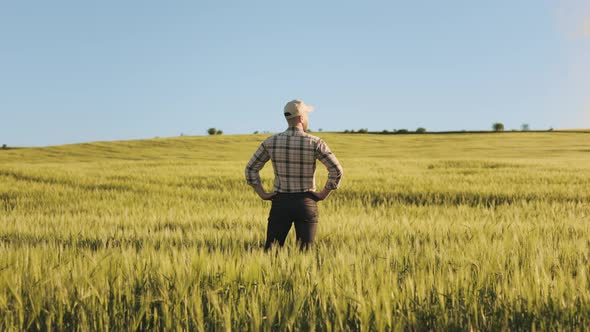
298,126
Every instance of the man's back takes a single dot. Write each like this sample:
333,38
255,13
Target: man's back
293,154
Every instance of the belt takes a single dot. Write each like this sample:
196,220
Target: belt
294,195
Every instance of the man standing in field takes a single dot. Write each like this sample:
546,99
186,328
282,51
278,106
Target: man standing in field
294,199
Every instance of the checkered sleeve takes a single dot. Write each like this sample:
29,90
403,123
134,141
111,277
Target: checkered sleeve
335,171
256,163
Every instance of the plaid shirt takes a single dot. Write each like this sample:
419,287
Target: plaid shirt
293,154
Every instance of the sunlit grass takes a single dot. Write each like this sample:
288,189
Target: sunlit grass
486,231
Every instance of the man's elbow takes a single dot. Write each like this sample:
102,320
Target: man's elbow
250,177
339,171
335,175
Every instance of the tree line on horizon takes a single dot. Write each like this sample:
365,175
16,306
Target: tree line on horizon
496,127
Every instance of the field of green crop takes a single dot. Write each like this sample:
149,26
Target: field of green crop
481,231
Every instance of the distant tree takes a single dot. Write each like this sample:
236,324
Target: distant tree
525,127
385,131
421,130
498,127
346,131
309,130
551,129
212,131
181,134
256,132
4,147
402,131
320,130
219,132
363,131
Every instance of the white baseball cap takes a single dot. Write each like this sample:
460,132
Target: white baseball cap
296,108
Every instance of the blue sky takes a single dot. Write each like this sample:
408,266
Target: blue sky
78,71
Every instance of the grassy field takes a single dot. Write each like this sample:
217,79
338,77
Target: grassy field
483,231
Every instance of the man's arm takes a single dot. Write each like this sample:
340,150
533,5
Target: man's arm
263,194
335,171
256,163
321,195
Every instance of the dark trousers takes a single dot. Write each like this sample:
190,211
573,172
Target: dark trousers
298,208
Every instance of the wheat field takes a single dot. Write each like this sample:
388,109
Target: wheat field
427,232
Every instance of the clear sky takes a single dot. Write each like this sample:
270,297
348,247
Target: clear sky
78,71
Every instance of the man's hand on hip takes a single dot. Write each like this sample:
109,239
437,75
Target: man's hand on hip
267,196
321,195
263,194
